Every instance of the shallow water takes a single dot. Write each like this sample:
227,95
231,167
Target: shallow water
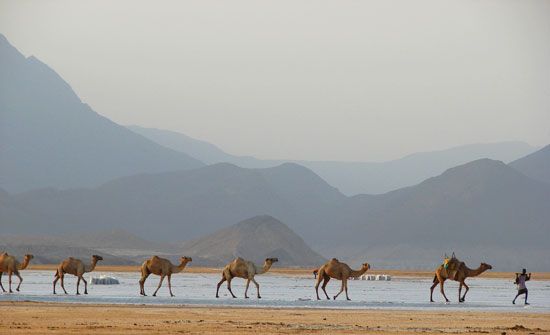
286,291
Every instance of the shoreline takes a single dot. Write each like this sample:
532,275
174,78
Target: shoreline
297,271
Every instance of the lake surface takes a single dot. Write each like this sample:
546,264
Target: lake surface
285,291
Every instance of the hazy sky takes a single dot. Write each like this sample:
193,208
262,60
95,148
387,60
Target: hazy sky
334,80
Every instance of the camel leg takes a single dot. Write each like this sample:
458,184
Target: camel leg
55,282
218,287
20,280
257,287
432,291
144,276
170,285
160,284
324,286
229,287
317,282
78,285
85,285
341,290
443,291
9,281
62,277
2,286
246,289
467,288
346,289
459,292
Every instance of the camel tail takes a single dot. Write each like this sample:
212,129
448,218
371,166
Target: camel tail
316,272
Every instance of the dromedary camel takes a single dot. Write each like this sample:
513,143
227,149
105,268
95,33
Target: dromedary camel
9,264
163,268
246,270
77,268
462,272
337,270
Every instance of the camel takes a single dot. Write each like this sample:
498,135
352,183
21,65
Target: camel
337,270
460,274
244,269
163,268
9,264
77,268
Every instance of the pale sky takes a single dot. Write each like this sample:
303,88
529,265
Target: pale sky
296,79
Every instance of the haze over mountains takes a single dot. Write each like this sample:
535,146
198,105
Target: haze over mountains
66,171
49,138
352,178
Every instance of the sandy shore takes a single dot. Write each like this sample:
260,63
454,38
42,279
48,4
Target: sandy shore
296,271
49,318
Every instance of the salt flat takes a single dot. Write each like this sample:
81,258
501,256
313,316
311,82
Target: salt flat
284,291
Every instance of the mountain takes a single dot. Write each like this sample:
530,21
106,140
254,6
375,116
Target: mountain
485,210
49,138
204,151
481,205
177,206
353,178
535,165
253,239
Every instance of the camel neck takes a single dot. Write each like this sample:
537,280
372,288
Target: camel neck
357,273
24,265
91,267
265,268
474,272
179,268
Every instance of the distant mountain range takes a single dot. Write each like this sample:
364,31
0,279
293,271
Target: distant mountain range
352,178
176,206
254,239
484,203
94,186
535,165
49,138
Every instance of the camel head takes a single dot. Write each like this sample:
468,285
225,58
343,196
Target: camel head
271,260
365,266
485,266
28,257
186,259
97,258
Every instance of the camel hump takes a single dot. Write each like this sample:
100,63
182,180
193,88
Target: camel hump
155,257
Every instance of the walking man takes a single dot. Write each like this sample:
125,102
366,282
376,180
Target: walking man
521,278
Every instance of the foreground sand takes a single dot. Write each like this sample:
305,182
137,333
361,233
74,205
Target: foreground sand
295,271
50,318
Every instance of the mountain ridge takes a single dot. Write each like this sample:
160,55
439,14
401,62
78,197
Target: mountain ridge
50,138
353,178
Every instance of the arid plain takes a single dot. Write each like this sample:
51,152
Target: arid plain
49,318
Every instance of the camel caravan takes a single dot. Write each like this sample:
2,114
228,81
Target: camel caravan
451,269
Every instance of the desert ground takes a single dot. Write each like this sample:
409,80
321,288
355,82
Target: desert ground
50,318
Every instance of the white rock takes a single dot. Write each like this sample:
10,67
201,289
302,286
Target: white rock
104,280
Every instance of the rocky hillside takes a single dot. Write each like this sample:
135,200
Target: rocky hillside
255,239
